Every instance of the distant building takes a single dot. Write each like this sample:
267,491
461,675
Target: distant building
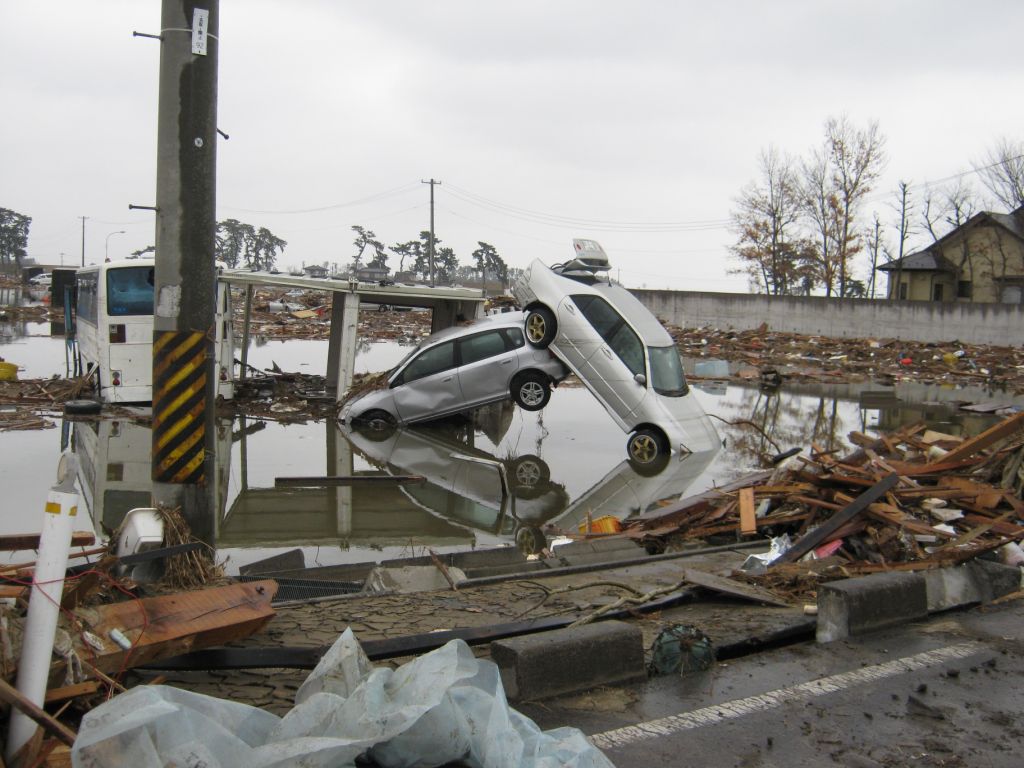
981,261
370,274
315,270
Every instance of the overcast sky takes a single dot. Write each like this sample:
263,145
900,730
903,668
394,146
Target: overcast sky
634,123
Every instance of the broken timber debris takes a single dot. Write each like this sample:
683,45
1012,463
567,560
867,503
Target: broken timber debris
888,505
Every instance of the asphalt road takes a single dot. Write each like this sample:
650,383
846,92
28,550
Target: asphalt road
945,692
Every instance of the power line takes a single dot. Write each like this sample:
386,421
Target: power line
334,206
570,222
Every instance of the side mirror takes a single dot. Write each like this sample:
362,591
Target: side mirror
640,379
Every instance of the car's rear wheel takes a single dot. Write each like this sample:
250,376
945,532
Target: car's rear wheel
529,471
531,391
647,450
540,327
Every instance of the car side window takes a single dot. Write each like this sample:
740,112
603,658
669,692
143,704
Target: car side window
613,329
599,313
481,346
626,344
513,337
429,362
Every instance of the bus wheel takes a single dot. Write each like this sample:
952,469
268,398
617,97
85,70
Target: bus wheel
82,407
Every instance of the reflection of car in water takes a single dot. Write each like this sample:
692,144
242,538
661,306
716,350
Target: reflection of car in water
459,369
618,349
464,483
626,491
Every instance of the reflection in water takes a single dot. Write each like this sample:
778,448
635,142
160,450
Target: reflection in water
548,479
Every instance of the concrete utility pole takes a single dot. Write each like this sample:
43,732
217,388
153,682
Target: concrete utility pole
83,218
430,249
184,371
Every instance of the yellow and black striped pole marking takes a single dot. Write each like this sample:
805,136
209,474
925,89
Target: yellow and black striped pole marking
179,405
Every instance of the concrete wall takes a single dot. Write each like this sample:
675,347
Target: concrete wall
999,324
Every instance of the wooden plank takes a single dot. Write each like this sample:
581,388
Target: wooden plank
748,517
989,437
12,542
14,697
893,516
908,469
974,533
733,588
169,625
72,691
826,530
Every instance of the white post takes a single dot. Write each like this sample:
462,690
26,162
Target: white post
44,602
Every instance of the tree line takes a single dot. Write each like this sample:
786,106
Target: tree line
801,225
243,245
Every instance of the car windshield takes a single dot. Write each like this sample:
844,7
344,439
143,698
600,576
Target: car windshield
405,359
667,372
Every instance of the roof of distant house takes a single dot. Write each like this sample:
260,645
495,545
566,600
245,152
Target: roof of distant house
930,259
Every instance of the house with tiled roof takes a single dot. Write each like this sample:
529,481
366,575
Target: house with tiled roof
981,261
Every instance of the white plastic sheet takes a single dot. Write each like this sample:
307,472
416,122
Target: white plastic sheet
444,706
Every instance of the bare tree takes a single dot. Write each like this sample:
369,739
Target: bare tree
1002,173
904,207
947,208
857,159
874,241
821,205
765,219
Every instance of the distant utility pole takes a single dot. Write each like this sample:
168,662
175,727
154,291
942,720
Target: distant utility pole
83,218
430,249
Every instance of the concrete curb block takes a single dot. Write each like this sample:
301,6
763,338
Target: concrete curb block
867,603
568,660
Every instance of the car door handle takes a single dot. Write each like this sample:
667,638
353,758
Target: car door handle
506,362
446,379
607,352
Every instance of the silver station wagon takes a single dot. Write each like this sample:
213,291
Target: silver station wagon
618,349
459,369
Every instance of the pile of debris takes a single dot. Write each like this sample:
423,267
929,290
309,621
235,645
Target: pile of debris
910,500
22,402
293,314
886,361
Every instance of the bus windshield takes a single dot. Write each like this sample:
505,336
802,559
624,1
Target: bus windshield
130,291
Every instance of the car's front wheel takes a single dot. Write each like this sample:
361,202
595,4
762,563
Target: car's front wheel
540,327
647,450
531,391
376,423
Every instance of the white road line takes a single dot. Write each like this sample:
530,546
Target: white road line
718,713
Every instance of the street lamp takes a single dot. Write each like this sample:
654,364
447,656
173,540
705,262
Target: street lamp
106,246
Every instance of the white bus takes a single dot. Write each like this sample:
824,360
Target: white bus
114,331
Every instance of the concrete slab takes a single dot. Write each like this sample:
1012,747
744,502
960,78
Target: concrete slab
952,587
996,579
867,603
567,660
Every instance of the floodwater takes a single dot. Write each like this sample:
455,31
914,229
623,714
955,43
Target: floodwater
561,465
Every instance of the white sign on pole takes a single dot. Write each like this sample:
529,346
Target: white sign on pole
200,23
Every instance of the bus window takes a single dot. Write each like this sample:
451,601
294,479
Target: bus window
130,291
